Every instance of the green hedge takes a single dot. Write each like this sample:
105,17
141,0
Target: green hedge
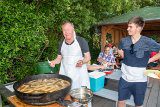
22,39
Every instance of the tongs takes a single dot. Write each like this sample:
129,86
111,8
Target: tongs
49,62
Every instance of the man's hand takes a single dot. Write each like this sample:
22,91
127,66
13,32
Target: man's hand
56,61
79,63
121,53
52,63
85,60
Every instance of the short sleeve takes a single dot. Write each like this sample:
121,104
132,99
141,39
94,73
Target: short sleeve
83,44
100,55
85,47
59,47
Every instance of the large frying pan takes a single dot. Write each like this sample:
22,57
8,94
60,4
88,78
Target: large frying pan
44,98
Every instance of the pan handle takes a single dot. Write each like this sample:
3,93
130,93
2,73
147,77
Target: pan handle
63,102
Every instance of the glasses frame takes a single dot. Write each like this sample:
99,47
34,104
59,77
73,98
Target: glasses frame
132,49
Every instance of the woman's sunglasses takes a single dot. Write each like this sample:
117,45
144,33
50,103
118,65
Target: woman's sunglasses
132,49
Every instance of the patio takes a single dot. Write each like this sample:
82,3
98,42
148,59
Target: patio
152,97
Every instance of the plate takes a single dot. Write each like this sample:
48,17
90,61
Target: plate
153,73
108,71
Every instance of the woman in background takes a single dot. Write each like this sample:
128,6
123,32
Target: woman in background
106,57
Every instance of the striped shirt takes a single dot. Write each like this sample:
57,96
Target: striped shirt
136,57
108,58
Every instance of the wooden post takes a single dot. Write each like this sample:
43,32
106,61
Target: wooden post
104,30
103,37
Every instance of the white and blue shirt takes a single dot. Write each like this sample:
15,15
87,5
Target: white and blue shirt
136,57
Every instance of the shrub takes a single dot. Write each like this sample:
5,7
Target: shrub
22,39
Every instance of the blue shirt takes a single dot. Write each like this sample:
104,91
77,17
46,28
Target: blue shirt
141,51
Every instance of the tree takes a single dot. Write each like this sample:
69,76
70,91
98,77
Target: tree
22,37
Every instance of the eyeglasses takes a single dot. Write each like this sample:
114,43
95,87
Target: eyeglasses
132,47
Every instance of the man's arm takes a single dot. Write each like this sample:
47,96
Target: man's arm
86,59
121,53
120,49
154,46
95,67
100,59
154,58
56,61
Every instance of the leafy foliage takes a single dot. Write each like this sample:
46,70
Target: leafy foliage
22,37
118,7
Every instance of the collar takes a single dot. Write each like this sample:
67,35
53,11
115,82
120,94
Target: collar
68,43
74,37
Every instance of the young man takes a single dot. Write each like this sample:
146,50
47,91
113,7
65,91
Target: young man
135,50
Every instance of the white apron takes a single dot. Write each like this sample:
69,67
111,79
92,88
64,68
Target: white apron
70,55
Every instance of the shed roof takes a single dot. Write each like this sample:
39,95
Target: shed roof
148,13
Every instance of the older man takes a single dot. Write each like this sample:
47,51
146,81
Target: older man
73,54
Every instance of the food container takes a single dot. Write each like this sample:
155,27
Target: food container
75,104
108,71
96,80
82,95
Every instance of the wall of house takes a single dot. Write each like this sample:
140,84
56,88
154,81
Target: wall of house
117,35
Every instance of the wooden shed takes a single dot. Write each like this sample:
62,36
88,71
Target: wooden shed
117,26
